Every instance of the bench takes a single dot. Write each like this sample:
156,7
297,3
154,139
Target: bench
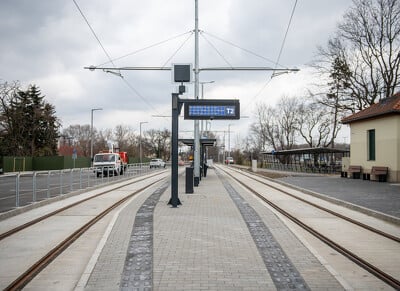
380,172
355,171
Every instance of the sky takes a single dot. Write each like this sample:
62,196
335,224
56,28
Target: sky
48,43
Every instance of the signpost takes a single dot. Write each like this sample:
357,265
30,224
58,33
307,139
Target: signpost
74,156
196,110
176,109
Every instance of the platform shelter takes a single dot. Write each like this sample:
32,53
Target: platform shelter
314,160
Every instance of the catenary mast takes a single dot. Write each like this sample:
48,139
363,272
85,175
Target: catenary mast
196,140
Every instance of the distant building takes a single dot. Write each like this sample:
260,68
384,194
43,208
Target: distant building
375,137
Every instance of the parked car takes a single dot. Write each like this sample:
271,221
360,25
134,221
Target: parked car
229,160
157,163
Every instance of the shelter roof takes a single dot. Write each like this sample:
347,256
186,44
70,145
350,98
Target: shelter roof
318,150
204,141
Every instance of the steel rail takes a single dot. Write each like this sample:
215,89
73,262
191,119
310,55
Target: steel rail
37,267
41,218
356,222
388,279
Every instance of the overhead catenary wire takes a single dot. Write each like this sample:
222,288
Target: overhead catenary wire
177,50
239,47
284,38
148,47
218,52
276,63
130,86
93,32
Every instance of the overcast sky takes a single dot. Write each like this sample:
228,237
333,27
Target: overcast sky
48,43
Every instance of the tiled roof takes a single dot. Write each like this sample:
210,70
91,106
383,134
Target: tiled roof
386,106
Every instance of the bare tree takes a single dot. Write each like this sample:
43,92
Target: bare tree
276,126
80,135
287,109
265,129
367,43
100,143
121,133
314,124
132,141
159,141
8,95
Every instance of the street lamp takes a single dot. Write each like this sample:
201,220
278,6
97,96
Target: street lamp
202,87
91,131
140,140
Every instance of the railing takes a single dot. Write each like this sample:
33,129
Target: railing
23,188
323,169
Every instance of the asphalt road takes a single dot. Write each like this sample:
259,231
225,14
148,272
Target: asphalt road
43,185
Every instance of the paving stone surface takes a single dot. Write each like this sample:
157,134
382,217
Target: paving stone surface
205,244
283,273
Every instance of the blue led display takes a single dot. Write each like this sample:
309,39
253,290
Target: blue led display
211,110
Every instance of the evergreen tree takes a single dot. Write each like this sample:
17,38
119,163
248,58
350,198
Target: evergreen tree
29,122
339,98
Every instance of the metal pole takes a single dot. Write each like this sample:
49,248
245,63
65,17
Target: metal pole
140,141
61,182
48,184
91,130
91,134
108,69
174,201
229,140
34,187
17,178
202,97
196,141
72,180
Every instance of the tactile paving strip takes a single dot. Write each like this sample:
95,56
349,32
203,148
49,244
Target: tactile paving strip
138,268
283,273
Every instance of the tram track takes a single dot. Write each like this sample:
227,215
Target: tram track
337,214
41,218
351,255
40,264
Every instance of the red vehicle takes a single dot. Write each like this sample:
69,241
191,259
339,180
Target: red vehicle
124,158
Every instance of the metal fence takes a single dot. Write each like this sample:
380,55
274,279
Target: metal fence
23,188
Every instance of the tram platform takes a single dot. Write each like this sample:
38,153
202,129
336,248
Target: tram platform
211,242
220,238
370,197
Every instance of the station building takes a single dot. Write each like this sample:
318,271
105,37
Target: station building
375,138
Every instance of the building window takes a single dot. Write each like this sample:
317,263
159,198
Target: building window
371,144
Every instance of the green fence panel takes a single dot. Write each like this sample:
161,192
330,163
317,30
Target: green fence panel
20,164
79,162
17,164
60,162
134,160
48,163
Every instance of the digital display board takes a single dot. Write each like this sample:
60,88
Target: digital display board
182,73
212,109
